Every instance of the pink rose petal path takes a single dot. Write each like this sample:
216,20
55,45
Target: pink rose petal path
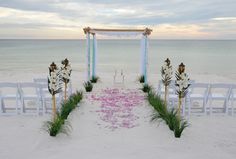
117,106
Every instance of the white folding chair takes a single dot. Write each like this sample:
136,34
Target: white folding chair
9,93
41,80
232,98
219,92
198,92
31,93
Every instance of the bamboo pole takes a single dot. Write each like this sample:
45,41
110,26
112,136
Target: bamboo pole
65,91
54,106
179,107
165,96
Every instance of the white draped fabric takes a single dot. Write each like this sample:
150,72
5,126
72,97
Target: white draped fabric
94,56
117,33
142,51
88,56
144,58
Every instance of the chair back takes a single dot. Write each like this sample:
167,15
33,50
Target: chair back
29,88
8,88
41,80
220,88
233,91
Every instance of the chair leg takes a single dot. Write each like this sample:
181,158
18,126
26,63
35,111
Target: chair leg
16,105
232,107
1,106
204,107
210,105
226,107
189,107
38,107
43,107
22,106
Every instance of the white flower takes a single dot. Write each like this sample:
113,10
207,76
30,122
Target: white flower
182,83
167,70
166,73
54,81
66,71
53,74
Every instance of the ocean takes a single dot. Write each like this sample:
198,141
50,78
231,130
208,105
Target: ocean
200,56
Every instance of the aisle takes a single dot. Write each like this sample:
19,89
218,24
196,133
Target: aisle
116,106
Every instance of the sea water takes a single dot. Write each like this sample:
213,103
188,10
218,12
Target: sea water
199,56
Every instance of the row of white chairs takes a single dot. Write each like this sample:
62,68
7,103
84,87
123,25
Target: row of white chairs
203,98
28,98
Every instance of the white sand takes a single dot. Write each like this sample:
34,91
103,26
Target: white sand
208,137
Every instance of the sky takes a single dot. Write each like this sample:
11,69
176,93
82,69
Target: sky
169,19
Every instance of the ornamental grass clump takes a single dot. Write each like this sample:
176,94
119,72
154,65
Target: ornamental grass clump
170,118
179,125
146,88
88,86
94,79
68,106
65,74
54,85
57,126
141,79
166,73
59,123
158,105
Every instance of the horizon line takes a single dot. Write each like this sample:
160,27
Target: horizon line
102,39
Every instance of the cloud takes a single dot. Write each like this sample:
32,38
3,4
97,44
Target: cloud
198,18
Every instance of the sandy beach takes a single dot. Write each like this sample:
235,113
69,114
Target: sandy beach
166,79
206,137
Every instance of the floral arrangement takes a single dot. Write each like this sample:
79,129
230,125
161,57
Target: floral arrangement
65,74
54,84
166,73
182,84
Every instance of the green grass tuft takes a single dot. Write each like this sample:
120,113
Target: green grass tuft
88,86
94,79
146,88
158,105
141,79
170,119
179,126
56,126
70,104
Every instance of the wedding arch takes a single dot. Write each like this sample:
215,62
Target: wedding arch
130,32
